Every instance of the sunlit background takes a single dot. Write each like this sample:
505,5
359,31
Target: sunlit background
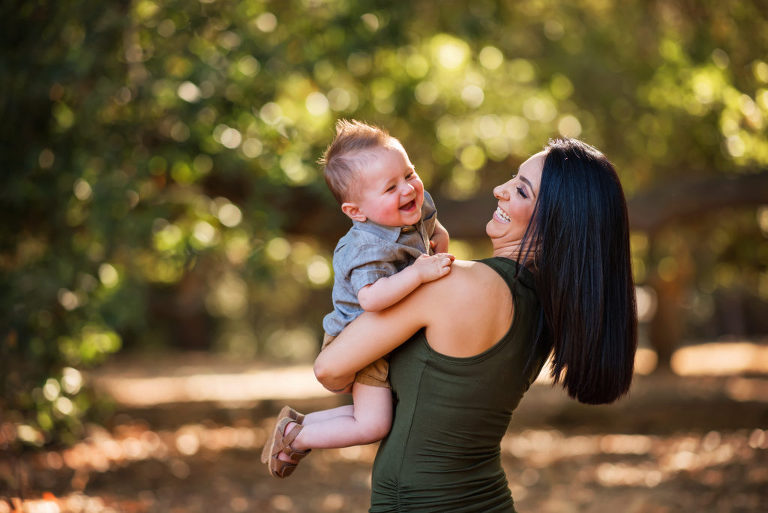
165,258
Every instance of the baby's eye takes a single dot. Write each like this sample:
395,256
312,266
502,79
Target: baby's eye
410,175
390,188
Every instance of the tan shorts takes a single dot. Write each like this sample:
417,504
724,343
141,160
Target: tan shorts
375,374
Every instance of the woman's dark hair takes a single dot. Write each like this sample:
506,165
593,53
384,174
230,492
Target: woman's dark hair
579,239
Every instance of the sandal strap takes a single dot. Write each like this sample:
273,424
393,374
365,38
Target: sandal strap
283,468
285,442
279,441
295,454
291,436
288,440
296,416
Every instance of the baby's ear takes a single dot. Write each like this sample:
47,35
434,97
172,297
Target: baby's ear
353,212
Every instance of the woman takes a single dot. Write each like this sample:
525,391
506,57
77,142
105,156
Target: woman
559,283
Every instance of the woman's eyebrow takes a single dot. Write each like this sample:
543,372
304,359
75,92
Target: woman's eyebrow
524,179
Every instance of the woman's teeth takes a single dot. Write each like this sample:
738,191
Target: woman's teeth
502,215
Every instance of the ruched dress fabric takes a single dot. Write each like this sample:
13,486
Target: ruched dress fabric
443,451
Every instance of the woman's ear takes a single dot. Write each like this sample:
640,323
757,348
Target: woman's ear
352,210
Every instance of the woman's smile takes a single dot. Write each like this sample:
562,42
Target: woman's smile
501,216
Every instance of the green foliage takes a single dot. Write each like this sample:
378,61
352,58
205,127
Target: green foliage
149,148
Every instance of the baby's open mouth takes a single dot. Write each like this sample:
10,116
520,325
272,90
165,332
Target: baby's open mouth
409,206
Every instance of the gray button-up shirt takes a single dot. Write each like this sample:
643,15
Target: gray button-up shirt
369,251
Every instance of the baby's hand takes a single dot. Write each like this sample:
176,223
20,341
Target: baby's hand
432,267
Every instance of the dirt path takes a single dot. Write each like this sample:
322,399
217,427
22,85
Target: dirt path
676,445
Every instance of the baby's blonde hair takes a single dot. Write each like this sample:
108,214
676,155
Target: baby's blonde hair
346,156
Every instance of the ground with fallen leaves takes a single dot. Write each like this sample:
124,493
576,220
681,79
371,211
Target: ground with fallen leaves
676,445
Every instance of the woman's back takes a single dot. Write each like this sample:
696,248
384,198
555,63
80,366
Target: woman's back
442,453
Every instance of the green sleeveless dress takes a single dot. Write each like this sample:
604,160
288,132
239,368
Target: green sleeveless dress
443,451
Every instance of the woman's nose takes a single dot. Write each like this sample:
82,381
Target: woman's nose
500,193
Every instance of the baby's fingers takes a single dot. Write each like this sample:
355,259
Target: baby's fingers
445,265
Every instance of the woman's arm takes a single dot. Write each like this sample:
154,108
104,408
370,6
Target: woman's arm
374,334
464,314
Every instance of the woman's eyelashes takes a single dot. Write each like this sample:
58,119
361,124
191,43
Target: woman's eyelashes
521,192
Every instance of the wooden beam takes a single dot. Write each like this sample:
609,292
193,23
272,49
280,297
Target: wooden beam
687,199
307,211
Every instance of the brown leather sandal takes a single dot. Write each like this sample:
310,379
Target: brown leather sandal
280,442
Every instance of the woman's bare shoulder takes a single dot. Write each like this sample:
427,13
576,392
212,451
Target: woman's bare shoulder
470,274
470,309
468,288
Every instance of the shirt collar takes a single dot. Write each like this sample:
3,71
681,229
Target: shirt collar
392,233
388,233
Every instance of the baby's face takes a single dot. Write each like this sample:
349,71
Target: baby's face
389,192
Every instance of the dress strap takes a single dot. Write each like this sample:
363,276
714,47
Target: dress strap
511,271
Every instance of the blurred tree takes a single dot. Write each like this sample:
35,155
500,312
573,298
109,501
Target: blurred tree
158,158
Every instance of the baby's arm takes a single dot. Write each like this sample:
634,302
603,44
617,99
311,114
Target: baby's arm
440,238
387,291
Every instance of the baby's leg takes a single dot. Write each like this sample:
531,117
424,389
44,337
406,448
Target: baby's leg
370,423
373,412
324,415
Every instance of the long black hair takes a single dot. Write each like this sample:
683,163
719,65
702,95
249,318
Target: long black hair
578,240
